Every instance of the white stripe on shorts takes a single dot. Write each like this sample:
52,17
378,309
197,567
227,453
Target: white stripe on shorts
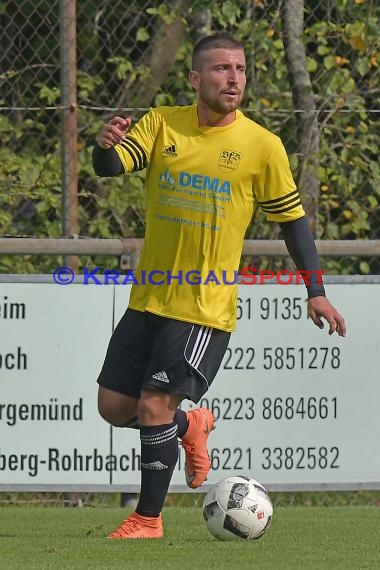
200,346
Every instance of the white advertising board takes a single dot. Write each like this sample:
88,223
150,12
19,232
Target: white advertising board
295,407
52,343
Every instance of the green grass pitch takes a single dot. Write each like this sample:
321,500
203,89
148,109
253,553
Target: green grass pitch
301,538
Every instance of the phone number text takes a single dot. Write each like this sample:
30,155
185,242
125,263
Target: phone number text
279,458
272,408
275,308
283,358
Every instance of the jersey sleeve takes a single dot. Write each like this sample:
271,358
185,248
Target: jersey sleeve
276,191
136,149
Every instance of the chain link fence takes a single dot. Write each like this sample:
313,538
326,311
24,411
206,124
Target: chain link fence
65,68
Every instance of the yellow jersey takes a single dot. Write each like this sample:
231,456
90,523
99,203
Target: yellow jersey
203,185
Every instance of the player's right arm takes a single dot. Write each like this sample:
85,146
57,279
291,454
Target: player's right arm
114,132
121,149
105,159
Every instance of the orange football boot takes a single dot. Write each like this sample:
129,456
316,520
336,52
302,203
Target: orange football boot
137,526
194,442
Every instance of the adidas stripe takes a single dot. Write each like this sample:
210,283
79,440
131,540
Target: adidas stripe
201,343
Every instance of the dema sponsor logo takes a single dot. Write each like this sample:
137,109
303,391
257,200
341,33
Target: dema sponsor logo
167,178
197,182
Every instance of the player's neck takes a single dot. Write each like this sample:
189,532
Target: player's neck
209,118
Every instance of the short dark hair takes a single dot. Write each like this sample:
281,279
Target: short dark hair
215,41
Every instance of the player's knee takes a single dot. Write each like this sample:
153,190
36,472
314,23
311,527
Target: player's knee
155,408
116,409
111,416
119,420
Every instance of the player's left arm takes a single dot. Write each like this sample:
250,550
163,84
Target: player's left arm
301,247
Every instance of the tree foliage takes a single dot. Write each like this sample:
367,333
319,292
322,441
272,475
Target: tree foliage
135,55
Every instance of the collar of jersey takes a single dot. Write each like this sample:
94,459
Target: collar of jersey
211,130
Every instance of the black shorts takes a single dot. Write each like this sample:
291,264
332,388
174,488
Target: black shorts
158,353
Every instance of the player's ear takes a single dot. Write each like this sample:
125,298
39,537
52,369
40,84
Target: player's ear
194,79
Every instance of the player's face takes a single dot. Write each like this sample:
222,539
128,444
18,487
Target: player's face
220,81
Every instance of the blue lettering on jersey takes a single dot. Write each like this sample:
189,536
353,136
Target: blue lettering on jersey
201,182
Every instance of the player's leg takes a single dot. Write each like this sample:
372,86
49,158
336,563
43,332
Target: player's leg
159,448
158,414
185,359
203,355
123,369
118,396
178,368
159,454
122,403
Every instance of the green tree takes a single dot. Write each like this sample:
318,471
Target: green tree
136,55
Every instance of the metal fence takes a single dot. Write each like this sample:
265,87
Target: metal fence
65,67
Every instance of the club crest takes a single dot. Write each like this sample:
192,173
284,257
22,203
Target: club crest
229,160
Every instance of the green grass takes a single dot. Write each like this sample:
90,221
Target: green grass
307,538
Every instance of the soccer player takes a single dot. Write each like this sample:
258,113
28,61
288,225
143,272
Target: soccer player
208,167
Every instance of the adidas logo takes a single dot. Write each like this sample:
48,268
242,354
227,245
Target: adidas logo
162,376
154,466
170,150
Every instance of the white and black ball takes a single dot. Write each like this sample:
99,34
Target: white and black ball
237,508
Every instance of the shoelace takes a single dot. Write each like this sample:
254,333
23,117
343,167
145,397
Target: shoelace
188,448
127,525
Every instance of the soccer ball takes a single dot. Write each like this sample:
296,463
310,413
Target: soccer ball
237,508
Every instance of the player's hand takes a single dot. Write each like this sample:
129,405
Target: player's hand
114,132
318,307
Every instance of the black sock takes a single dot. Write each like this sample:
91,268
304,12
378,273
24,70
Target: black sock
159,454
182,422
